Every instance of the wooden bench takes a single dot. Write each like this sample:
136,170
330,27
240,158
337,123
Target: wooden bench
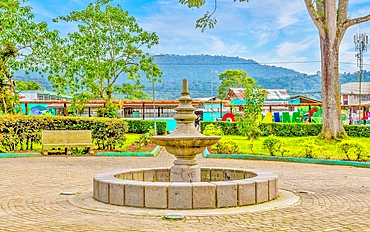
66,139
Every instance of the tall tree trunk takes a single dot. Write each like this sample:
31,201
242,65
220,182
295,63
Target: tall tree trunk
331,19
331,105
329,45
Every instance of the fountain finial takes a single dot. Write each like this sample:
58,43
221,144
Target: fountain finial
185,86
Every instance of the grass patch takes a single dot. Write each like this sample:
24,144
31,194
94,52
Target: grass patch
130,139
295,146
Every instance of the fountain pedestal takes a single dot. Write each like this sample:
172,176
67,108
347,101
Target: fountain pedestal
185,142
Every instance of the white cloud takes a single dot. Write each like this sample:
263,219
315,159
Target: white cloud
264,30
287,49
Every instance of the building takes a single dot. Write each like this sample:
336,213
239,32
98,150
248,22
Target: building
42,95
40,108
350,93
276,97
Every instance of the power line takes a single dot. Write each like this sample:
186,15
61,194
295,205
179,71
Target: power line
249,63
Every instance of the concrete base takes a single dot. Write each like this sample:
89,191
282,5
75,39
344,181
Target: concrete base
185,174
219,188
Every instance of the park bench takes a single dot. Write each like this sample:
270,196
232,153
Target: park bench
66,139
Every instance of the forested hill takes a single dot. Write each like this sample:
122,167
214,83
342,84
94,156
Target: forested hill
202,72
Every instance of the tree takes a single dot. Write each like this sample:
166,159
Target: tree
331,19
22,42
248,122
106,47
134,92
233,79
28,85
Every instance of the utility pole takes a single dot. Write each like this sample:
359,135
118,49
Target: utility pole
153,95
361,41
212,73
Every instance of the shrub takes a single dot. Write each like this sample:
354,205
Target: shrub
211,130
226,146
310,149
272,144
109,111
227,128
232,146
20,132
353,150
143,126
144,139
251,145
220,147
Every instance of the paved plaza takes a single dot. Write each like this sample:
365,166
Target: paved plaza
332,198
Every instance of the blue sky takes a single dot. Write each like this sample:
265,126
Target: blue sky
272,32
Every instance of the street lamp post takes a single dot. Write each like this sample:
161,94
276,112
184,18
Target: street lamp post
153,96
212,73
155,124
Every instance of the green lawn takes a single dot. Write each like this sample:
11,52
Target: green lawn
295,146
130,139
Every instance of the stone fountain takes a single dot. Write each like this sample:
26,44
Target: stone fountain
185,142
185,185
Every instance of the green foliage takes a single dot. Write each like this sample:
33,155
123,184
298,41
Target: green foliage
22,45
288,129
144,139
233,79
271,144
109,111
248,122
78,104
353,150
310,149
251,146
274,145
227,128
357,130
133,92
22,132
211,130
143,126
291,146
106,47
28,85
193,3
226,146
206,20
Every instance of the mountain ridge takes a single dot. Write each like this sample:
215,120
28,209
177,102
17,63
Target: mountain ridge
202,73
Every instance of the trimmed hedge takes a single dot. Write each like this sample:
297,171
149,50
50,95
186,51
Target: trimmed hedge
357,130
20,132
143,126
289,129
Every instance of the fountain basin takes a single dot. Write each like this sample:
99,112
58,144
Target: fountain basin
218,188
185,141
185,148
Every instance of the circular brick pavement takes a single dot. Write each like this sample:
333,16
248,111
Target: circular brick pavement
333,198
